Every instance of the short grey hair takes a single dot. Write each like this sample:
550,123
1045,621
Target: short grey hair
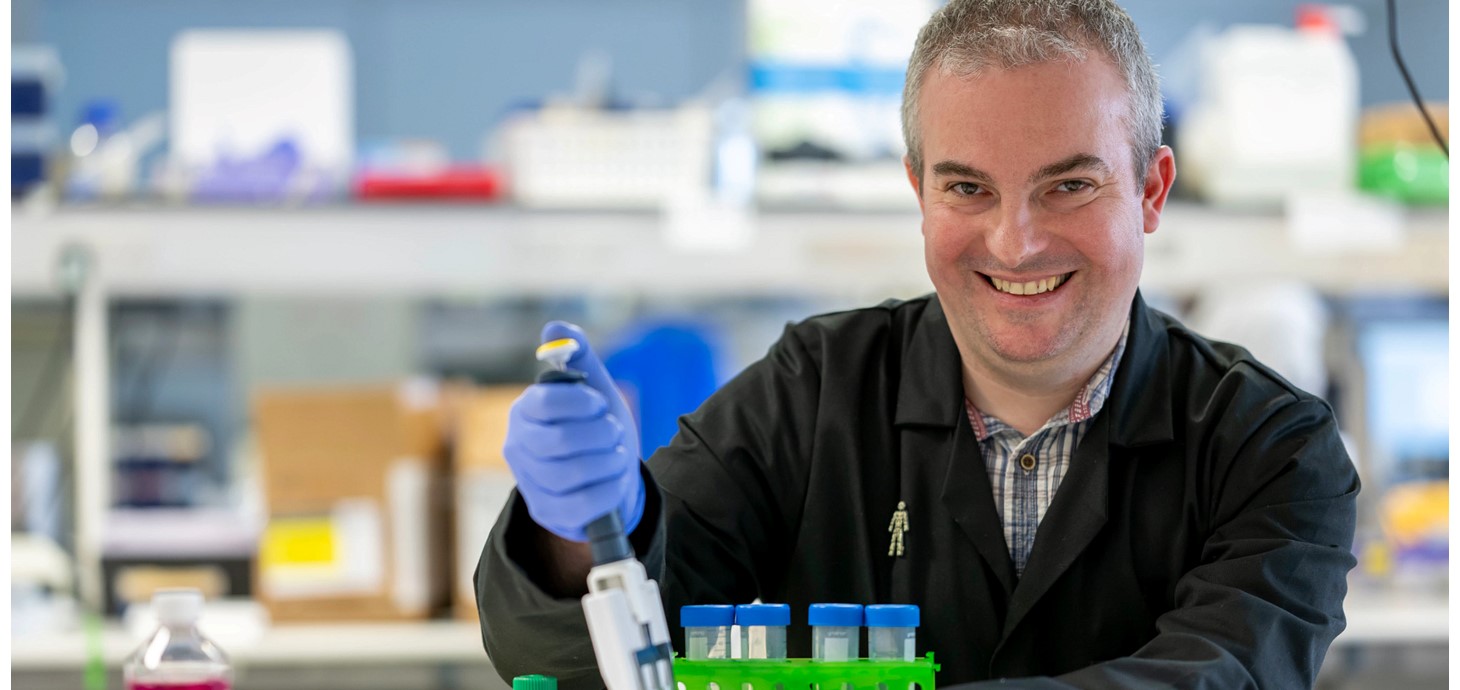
967,36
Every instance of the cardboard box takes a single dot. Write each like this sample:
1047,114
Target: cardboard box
482,482
358,522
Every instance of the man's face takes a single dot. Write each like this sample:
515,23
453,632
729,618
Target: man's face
1027,179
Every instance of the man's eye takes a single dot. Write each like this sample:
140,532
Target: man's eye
965,188
1074,186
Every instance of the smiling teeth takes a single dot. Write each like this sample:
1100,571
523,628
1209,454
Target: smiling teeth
1033,287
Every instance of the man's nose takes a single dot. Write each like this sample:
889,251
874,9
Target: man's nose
1015,237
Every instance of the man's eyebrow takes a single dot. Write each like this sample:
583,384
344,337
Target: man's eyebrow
956,169
1078,161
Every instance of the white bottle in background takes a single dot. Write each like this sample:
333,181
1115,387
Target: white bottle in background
177,656
1277,114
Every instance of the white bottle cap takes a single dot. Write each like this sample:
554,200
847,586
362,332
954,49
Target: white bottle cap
177,606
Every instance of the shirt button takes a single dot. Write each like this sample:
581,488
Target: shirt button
1027,462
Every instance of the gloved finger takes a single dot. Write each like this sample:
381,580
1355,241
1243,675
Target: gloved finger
568,516
561,478
552,403
585,360
567,440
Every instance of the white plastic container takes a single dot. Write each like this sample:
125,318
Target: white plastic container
1277,115
568,158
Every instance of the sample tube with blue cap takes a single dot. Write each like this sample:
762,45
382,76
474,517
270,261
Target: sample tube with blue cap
706,631
763,630
892,632
836,631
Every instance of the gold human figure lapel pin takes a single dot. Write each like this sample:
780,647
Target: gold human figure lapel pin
898,526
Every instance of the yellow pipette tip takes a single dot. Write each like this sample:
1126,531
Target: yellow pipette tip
557,352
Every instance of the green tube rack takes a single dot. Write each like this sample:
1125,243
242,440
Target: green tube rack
804,674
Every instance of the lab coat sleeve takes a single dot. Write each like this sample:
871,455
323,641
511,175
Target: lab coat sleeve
1266,600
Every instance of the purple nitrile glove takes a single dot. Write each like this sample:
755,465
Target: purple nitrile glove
574,447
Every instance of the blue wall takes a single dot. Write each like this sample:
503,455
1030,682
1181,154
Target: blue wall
445,69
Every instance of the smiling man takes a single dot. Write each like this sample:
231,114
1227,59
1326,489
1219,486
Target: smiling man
1085,493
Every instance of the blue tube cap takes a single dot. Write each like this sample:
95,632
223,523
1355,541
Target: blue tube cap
835,615
763,614
892,616
706,616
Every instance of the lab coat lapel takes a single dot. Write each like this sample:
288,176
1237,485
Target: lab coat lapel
1075,516
930,411
969,498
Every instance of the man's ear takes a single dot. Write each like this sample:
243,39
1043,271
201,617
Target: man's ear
1160,175
913,179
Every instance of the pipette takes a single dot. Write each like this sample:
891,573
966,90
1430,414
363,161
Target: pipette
624,611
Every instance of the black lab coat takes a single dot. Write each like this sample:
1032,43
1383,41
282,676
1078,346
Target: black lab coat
1200,538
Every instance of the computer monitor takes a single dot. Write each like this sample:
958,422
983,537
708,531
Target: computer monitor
1406,396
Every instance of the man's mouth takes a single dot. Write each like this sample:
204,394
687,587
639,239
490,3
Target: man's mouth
1032,287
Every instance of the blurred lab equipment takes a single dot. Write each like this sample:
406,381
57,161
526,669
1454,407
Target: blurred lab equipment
278,174
261,115
1398,156
422,170
825,87
178,656
1415,520
580,158
209,549
157,465
482,482
35,77
1276,113
1405,365
1283,325
36,493
667,369
593,150
41,578
353,529
105,158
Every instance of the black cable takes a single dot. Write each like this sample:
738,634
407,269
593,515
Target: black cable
42,396
1413,92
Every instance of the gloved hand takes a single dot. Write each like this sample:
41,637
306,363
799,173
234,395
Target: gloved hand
574,448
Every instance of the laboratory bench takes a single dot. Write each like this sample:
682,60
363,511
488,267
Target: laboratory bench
449,654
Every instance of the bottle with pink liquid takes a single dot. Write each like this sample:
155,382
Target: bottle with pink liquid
177,656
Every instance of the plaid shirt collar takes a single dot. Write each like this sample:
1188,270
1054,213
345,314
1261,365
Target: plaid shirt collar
1088,401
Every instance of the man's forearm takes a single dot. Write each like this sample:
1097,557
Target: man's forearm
562,567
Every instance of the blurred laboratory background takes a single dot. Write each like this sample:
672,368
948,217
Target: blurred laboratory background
278,270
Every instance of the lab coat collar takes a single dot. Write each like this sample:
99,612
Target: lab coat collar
1140,397
931,390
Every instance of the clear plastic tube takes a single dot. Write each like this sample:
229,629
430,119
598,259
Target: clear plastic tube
892,632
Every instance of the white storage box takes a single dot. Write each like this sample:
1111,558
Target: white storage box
569,158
